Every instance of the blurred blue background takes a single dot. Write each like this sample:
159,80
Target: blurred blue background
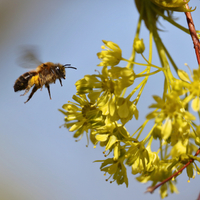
39,160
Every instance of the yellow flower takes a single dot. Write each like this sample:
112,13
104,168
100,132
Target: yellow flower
116,169
112,54
171,108
193,87
173,114
110,134
104,91
174,5
111,81
144,161
160,172
81,116
150,10
126,109
178,149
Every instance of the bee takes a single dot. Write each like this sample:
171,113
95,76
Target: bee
43,75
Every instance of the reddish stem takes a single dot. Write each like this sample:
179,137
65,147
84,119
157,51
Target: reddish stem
151,189
193,34
198,198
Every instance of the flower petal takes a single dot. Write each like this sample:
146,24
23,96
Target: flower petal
166,129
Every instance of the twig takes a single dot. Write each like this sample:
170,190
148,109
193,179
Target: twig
151,188
198,198
193,34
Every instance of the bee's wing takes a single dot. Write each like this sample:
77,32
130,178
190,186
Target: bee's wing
28,57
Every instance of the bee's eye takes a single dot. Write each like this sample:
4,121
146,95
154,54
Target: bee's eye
57,69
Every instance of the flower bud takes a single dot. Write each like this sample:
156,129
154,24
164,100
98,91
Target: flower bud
139,45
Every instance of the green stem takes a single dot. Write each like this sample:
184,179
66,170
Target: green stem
150,132
148,64
149,74
141,128
161,151
132,58
135,89
148,67
171,21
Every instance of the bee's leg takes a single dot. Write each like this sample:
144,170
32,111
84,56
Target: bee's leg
48,88
60,81
32,92
26,91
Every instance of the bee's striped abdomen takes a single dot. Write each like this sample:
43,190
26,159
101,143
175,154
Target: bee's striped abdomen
22,82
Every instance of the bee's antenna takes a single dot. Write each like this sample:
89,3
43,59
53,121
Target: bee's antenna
69,66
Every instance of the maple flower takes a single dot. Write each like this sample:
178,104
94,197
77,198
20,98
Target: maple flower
112,54
174,5
126,109
110,134
110,81
104,90
157,8
192,86
170,111
141,159
138,157
160,172
116,169
81,116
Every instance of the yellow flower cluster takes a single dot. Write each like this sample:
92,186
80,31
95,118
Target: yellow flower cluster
102,110
157,9
174,5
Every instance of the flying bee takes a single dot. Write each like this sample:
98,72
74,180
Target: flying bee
43,75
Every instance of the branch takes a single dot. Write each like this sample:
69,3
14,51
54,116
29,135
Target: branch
151,189
193,34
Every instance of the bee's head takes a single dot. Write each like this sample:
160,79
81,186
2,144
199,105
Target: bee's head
60,69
